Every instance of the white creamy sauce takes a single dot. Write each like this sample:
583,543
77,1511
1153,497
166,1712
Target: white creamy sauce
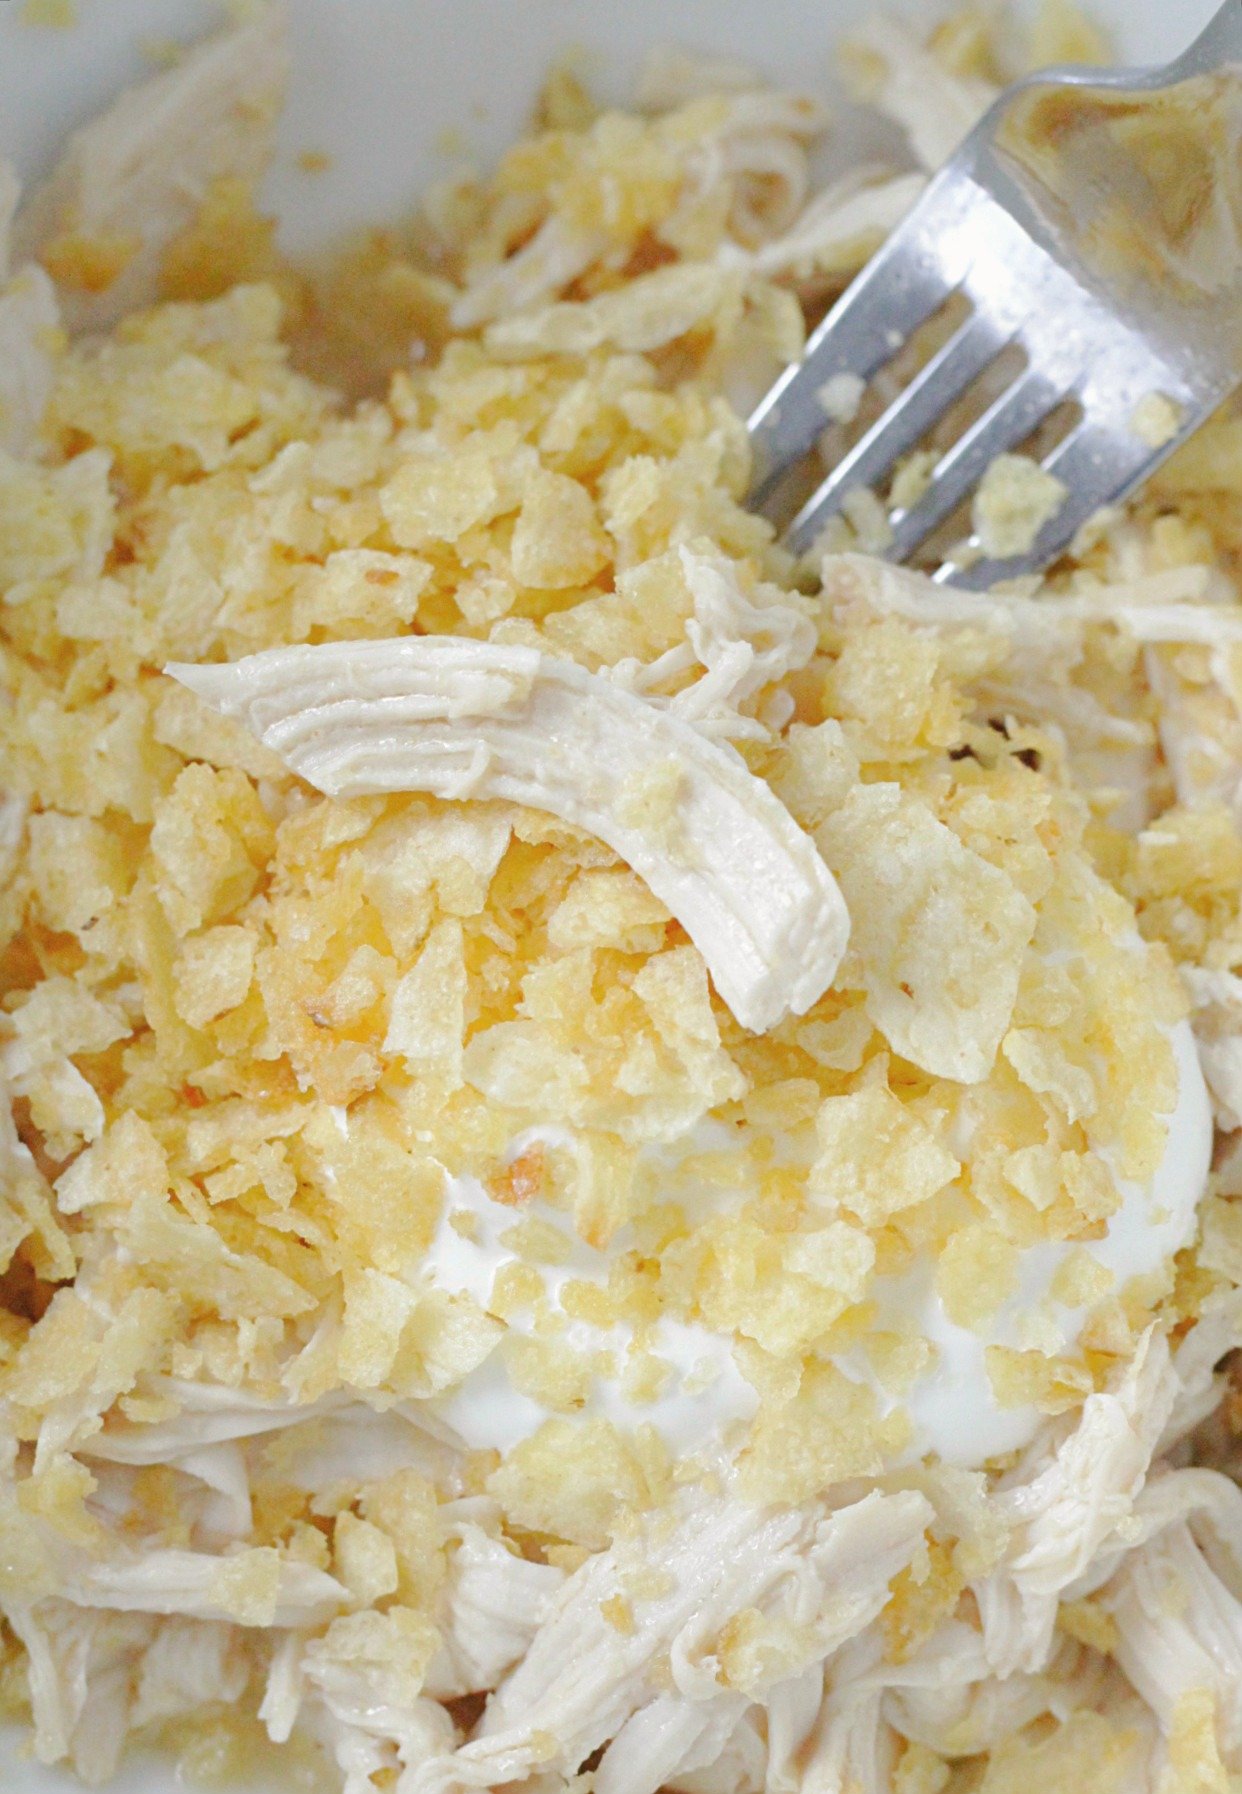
953,1411
951,1406
703,1393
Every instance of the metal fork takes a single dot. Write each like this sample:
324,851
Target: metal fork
987,232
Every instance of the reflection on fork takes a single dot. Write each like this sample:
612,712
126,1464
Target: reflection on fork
1077,267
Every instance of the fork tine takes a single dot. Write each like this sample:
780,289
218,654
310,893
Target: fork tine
790,419
971,349
1028,264
1007,422
1094,458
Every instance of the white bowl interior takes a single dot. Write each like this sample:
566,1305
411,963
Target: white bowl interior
378,85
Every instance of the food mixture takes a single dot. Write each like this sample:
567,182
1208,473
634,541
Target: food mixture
609,1177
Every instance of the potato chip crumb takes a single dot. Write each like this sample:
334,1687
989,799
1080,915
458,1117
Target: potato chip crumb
1062,32
1053,1385
827,1432
650,1585
650,803
1194,1759
209,833
427,1011
281,1064
976,1274
876,1158
1090,1624
522,1178
400,1642
1087,1751
943,1001
557,540
247,1586
919,1601
1220,1247
213,973
404,1508
1081,1281
920,1771
757,1650
868,518
840,397
78,869
87,264
619,1614
576,1480
1156,419
1015,499
899,1359
365,1559
912,479
53,15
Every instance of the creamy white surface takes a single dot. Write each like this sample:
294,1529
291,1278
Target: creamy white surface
704,1393
953,1411
951,1407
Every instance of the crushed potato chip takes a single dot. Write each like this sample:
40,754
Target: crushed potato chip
939,933
577,1481
1015,499
876,1158
271,1060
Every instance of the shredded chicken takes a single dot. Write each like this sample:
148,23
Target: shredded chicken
892,70
553,258
1043,641
187,1582
133,179
1162,608
29,323
755,146
1064,1515
462,719
494,1605
240,1048
742,647
648,313
582,1682
838,230
1217,998
1180,1622
1200,730
82,1670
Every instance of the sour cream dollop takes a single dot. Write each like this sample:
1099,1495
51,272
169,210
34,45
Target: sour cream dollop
705,1398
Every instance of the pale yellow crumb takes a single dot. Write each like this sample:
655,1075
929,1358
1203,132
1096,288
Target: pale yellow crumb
1156,419
49,15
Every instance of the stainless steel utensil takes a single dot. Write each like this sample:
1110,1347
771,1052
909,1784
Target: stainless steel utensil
1112,288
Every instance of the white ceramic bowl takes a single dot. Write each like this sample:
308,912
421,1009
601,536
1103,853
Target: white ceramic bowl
377,84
